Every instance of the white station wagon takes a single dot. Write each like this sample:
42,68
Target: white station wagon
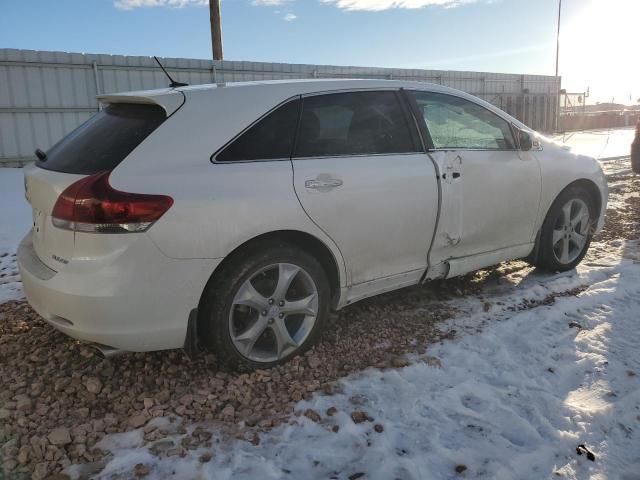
236,216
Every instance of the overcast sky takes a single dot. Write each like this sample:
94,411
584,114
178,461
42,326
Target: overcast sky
514,36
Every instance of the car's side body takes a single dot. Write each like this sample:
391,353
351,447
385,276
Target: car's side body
396,220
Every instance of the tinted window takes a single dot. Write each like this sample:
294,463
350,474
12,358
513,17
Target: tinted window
454,122
353,123
104,140
271,137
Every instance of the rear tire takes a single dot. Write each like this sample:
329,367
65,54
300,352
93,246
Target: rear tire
265,307
566,232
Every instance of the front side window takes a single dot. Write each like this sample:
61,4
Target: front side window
269,138
354,123
456,123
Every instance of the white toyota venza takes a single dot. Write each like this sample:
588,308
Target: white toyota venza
236,216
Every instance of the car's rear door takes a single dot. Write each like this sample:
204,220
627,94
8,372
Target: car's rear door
490,190
362,176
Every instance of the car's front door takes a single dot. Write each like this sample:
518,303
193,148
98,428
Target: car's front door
361,175
490,190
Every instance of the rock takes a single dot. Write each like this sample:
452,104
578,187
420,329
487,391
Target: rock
9,465
59,436
82,412
175,452
202,435
186,400
141,470
150,428
4,413
335,428
93,385
486,307
41,471
205,458
58,476
38,445
228,411
359,416
358,400
163,396
460,468
161,446
312,415
148,403
23,454
314,362
136,421
88,470
98,425
433,362
328,389
378,428
355,476
331,411
24,403
399,362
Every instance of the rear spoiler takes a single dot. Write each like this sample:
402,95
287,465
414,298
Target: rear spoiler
169,99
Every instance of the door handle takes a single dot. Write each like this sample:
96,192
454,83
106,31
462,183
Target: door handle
323,183
453,175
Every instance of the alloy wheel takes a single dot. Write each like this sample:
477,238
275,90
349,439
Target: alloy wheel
571,231
273,312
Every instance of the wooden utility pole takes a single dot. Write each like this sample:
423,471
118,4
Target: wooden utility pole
557,120
558,36
216,29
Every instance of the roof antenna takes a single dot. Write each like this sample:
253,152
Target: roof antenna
173,83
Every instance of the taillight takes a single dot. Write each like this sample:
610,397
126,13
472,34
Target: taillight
92,205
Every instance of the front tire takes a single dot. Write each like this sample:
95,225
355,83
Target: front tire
567,231
265,307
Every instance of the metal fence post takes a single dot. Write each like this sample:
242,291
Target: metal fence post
96,78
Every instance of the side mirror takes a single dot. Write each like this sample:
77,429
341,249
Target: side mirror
525,140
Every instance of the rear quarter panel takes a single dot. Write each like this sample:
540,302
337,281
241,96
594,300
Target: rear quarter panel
217,207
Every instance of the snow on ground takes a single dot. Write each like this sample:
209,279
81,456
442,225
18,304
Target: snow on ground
601,144
513,401
15,221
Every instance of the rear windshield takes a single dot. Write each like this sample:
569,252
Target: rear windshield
103,141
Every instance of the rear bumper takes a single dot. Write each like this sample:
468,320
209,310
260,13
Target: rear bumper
136,299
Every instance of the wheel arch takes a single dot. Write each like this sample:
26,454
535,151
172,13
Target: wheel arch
590,187
305,241
587,185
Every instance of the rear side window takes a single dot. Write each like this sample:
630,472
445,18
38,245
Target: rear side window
103,141
456,123
354,123
270,138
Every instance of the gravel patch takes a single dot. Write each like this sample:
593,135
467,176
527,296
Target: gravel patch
59,398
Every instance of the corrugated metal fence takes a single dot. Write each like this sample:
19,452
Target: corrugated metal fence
45,95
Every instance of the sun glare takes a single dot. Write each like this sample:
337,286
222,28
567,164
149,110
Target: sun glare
599,48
